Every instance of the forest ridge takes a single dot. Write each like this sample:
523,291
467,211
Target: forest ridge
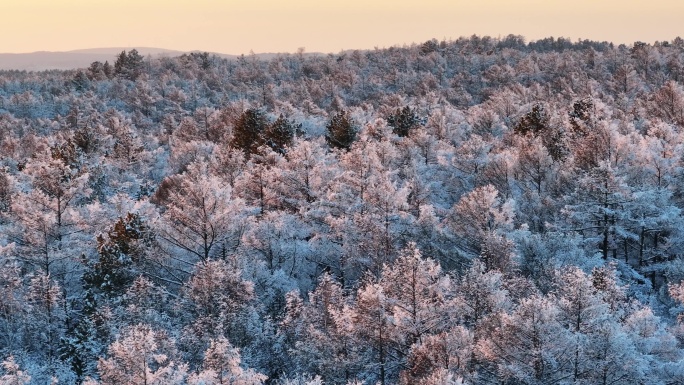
474,211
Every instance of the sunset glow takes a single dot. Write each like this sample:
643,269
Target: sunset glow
238,26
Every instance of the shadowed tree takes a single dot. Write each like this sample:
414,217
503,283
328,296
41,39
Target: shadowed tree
279,134
341,131
403,121
248,132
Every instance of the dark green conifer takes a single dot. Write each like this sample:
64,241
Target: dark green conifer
534,122
403,121
341,131
280,133
248,133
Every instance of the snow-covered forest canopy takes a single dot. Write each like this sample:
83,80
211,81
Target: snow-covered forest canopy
472,211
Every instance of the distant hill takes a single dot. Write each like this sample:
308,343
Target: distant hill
117,50
44,60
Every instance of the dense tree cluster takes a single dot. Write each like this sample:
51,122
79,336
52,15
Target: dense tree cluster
454,212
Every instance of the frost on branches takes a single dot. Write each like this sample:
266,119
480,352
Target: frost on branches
480,210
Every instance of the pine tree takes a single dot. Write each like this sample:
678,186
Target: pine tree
536,123
581,116
108,70
128,65
341,131
404,120
113,272
248,131
279,134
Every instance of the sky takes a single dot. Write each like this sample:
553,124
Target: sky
241,26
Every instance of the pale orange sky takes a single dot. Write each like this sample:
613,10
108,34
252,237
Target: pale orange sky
238,26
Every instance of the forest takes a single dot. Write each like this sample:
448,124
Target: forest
473,211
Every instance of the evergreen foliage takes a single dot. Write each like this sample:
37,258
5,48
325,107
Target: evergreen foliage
118,253
127,65
341,131
248,131
404,120
280,133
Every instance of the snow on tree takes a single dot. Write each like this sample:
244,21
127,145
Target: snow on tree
142,356
530,345
324,331
667,103
202,221
212,298
47,315
221,365
417,293
541,182
13,376
255,185
481,293
143,303
304,379
478,215
582,311
13,284
45,211
595,210
373,323
440,358
304,177
540,178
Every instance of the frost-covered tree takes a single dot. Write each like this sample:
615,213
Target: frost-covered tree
13,376
595,210
221,365
211,301
142,356
529,346
202,220
323,329
373,324
478,215
541,182
417,293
